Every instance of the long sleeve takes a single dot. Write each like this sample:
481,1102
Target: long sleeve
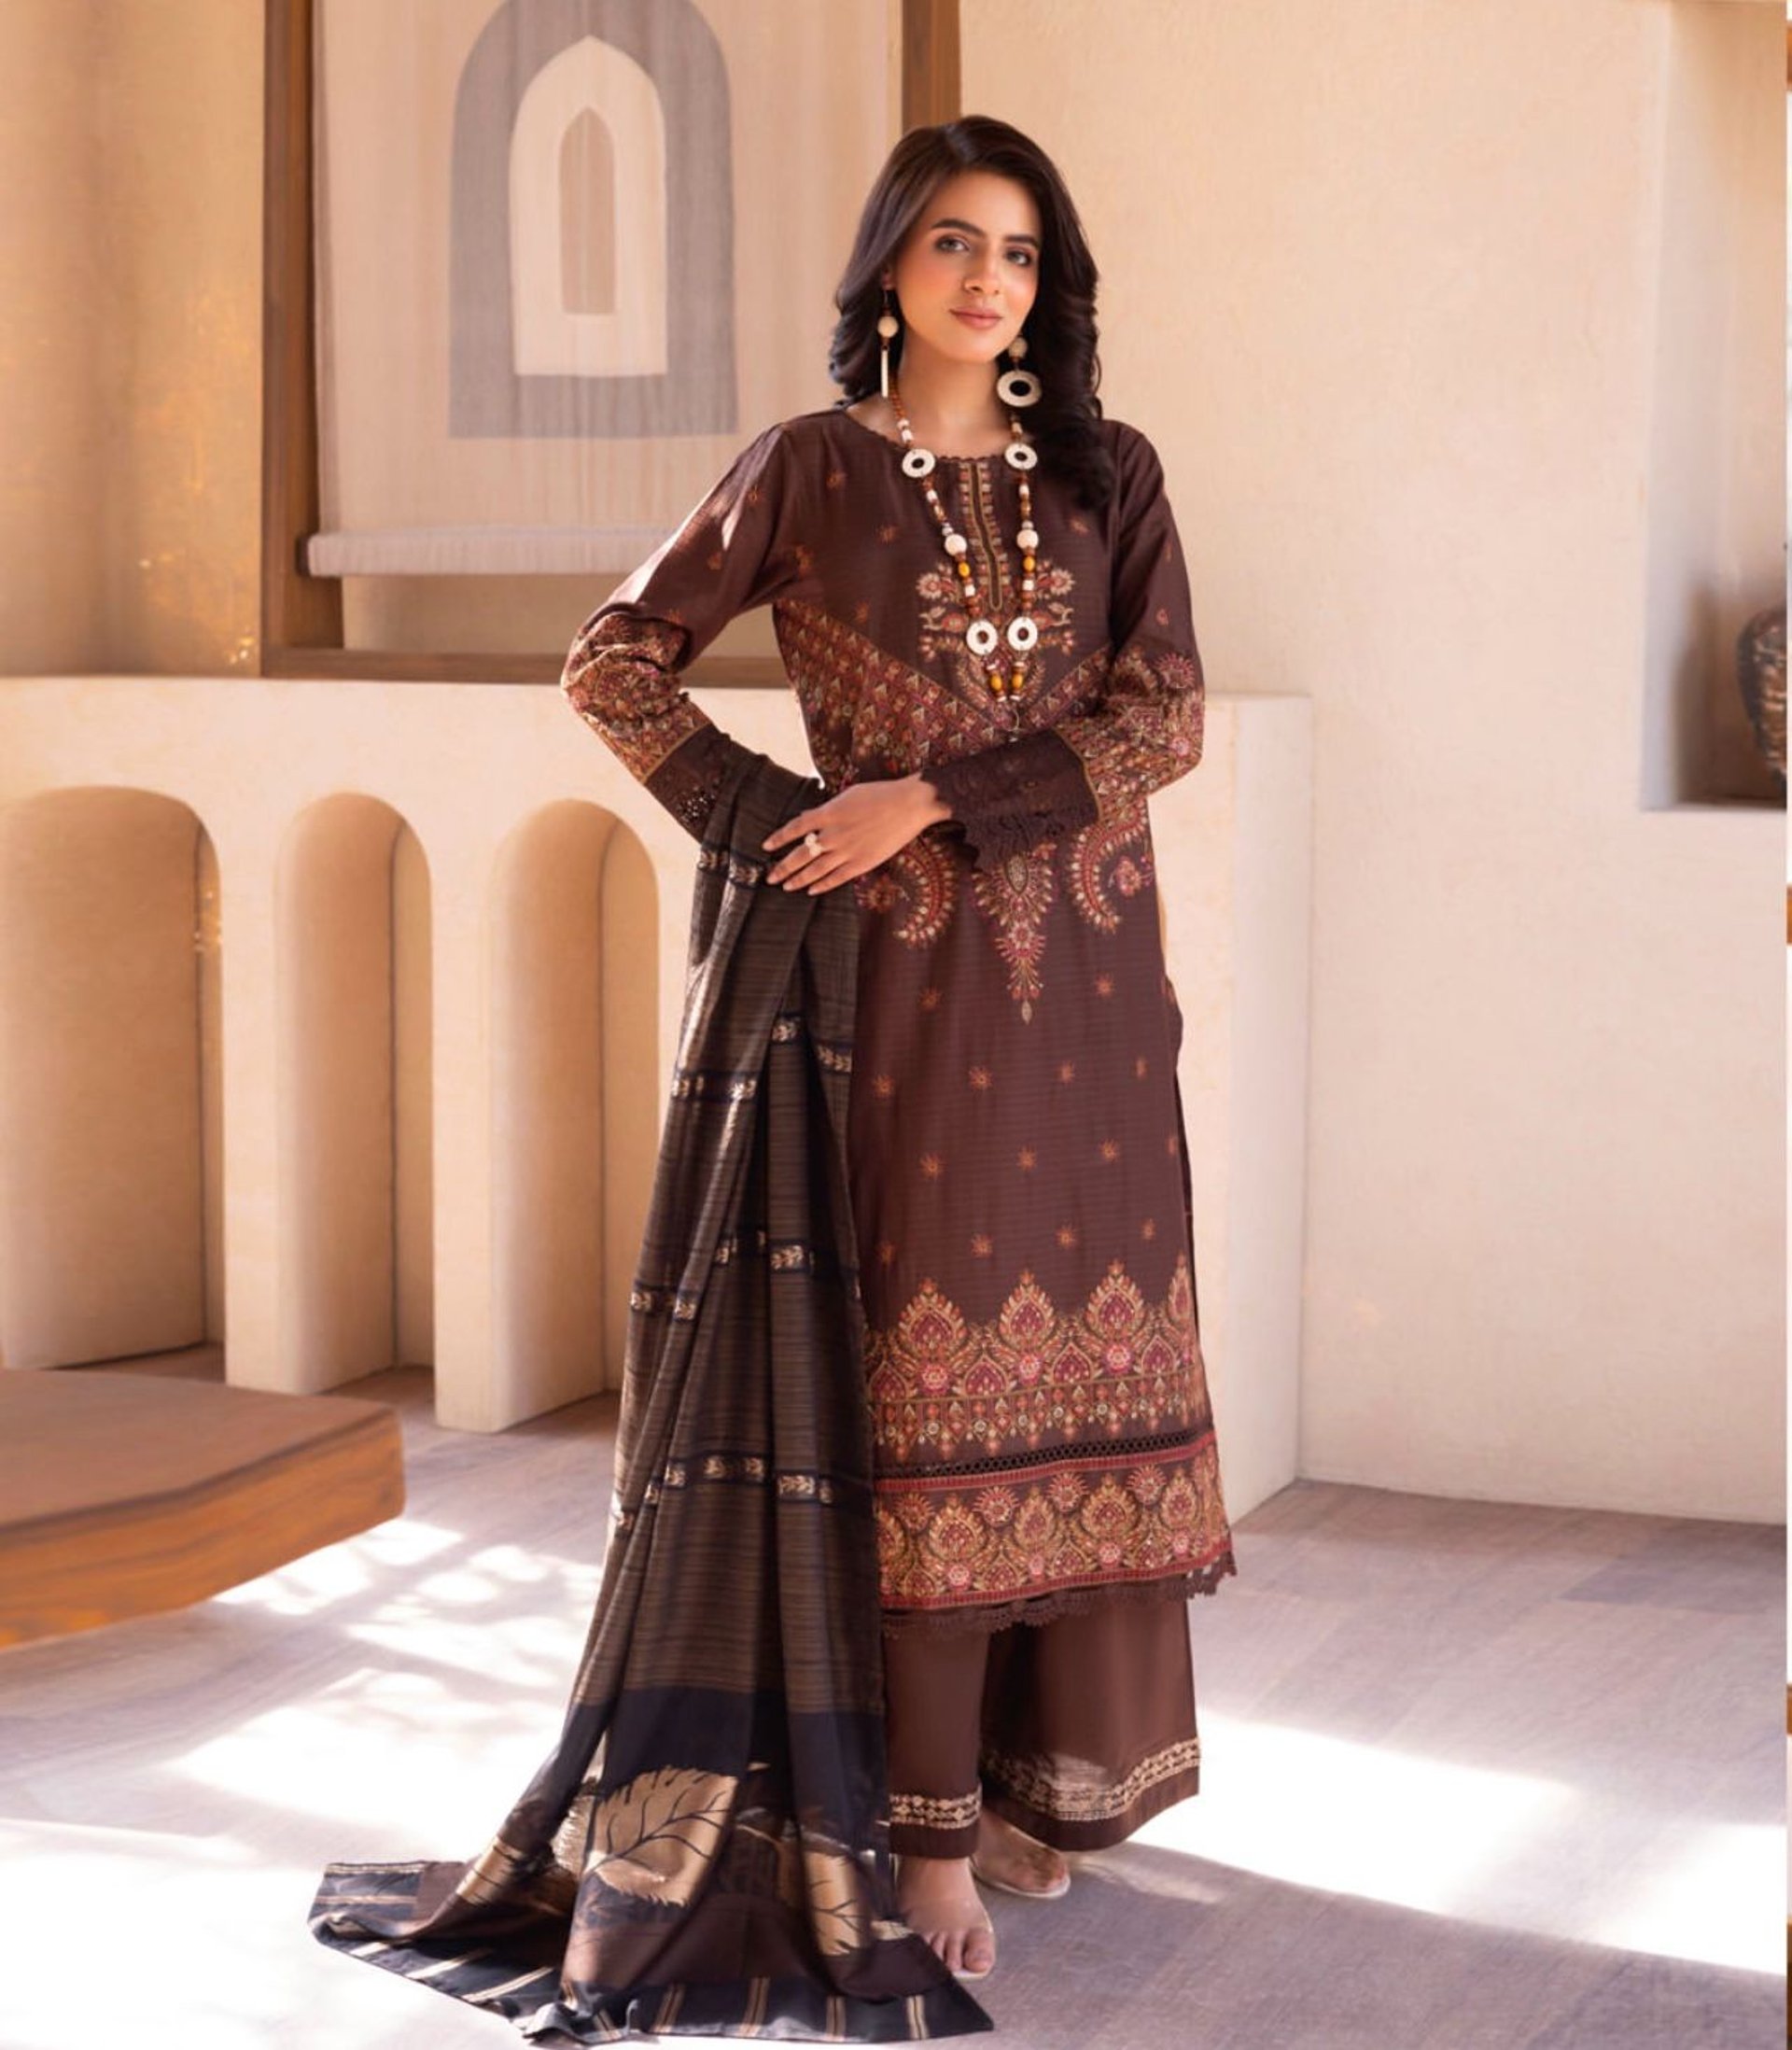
1145,731
732,552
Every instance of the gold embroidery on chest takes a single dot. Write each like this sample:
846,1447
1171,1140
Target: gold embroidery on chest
866,710
943,618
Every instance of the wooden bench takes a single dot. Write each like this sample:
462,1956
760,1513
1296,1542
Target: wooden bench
128,1494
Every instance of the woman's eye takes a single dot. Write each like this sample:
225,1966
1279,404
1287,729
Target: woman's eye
946,245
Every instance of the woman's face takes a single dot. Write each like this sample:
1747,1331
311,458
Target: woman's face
973,252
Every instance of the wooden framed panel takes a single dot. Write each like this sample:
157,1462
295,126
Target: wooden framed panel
302,614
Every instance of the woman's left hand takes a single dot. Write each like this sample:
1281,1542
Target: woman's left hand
864,824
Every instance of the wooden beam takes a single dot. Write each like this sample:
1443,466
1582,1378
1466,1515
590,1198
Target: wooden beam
930,91
395,666
296,610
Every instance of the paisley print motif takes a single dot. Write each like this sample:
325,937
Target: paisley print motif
918,882
1116,851
1015,898
940,1382
615,681
1045,1526
1152,711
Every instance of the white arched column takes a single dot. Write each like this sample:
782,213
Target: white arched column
103,1076
344,883
547,1012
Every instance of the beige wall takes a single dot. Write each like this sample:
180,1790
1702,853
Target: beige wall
1383,281
130,335
1408,297
51,288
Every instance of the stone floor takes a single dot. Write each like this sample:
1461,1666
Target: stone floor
1476,1777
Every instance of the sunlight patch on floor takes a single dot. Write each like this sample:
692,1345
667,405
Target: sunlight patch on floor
141,1932
533,1654
1353,1818
1500,1850
421,1767
338,1572
1720,1900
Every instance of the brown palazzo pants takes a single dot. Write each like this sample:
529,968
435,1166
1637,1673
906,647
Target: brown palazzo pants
1076,1729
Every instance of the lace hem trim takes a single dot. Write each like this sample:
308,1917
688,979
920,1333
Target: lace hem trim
1066,1601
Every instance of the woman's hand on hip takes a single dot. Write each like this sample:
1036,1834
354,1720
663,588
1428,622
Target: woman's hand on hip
863,826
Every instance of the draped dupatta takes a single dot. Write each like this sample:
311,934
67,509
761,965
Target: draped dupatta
705,1850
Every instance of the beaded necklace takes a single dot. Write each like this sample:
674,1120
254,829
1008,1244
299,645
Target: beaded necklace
980,634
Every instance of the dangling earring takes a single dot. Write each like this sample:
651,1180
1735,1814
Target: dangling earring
1019,388
889,328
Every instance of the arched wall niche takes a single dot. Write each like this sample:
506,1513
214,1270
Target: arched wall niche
588,174
522,360
351,1066
109,1046
574,1003
560,133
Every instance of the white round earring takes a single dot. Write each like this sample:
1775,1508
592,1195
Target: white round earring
1019,388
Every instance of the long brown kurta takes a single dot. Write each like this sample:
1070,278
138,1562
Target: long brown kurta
1043,1436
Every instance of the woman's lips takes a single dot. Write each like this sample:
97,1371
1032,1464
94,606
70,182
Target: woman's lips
976,320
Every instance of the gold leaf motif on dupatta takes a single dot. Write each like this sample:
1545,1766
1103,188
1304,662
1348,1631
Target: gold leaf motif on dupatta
493,1873
657,1837
837,1906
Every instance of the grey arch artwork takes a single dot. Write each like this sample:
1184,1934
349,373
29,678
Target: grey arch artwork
695,393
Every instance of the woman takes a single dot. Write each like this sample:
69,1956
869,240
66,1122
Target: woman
980,597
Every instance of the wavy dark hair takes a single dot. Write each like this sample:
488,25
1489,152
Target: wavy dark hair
1061,330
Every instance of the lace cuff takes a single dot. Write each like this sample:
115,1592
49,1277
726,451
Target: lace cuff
1009,798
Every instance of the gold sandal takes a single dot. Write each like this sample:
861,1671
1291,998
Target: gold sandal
1027,1893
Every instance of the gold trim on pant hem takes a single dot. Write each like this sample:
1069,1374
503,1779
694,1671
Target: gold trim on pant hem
936,1811
1027,1779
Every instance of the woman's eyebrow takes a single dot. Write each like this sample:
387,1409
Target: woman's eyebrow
970,227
